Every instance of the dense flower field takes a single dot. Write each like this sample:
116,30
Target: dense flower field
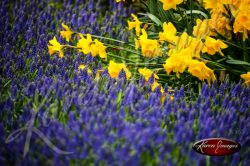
61,104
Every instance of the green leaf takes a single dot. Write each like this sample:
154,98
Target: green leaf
151,6
238,62
155,19
197,12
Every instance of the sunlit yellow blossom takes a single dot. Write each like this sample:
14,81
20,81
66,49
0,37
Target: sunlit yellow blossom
120,0
82,67
95,47
194,45
149,47
246,77
85,43
147,73
200,70
169,33
201,28
98,73
182,41
212,46
55,47
67,33
101,49
170,4
155,85
178,61
212,4
244,5
135,24
235,6
242,23
115,68
241,12
220,23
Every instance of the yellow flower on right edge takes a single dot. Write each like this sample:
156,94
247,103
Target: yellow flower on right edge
246,77
212,46
242,23
170,4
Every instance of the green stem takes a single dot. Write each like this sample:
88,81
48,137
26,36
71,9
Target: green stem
107,38
244,49
245,53
69,46
143,64
119,57
122,48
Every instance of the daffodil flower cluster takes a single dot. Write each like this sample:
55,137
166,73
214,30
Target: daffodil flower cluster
184,50
220,18
84,45
226,17
87,45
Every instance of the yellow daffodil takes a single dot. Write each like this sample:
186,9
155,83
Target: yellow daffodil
246,77
101,49
220,23
200,70
149,47
193,45
178,61
87,45
135,24
55,47
67,33
212,46
242,23
169,33
201,29
183,41
170,4
115,68
147,73
155,85
82,67
212,4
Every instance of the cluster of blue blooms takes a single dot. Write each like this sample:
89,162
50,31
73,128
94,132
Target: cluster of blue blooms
53,114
